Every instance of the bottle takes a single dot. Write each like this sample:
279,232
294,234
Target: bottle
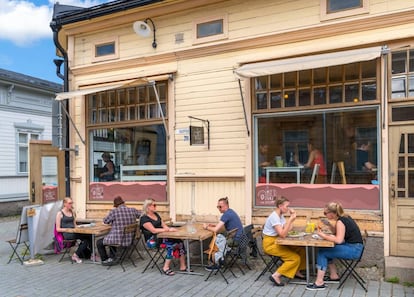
291,162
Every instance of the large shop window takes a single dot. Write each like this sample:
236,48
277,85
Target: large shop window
344,144
130,159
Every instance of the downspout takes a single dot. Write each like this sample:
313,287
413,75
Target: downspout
56,27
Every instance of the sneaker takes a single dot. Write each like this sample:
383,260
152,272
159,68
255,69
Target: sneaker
107,262
212,268
315,287
76,259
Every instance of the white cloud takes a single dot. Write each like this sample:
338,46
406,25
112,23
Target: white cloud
23,22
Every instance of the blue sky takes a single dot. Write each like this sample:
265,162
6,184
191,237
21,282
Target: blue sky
26,41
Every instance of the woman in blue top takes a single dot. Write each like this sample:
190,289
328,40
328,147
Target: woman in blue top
347,237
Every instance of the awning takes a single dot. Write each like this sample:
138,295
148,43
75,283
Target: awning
308,62
106,87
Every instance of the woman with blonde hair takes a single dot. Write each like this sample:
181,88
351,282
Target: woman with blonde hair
66,218
151,224
348,244
294,258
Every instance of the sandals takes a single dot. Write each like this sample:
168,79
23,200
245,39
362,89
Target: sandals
185,270
168,272
277,284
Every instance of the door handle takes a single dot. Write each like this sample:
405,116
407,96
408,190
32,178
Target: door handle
392,191
33,192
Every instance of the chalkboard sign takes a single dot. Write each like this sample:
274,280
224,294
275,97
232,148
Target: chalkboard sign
196,135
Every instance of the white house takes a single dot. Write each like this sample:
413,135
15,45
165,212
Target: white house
25,114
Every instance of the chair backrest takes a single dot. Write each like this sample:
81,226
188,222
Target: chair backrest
129,234
231,234
257,232
315,173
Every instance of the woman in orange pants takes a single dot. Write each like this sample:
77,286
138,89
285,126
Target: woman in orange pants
294,258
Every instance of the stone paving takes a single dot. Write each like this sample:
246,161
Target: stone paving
66,279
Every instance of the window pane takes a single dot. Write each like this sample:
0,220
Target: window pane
290,99
261,83
276,81
352,93
319,96
402,113
411,66
261,100
335,94
305,77
290,79
319,76
23,138
335,74
369,69
34,136
398,87
130,145
210,28
399,62
105,49
275,100
352,71
369,91
338,5
304,97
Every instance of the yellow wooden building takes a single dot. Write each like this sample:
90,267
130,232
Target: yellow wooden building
194,100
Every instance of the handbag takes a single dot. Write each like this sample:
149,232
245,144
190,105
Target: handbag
212,248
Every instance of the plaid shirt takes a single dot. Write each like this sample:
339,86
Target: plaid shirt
120,217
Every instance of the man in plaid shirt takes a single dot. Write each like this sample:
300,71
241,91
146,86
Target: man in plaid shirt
119,217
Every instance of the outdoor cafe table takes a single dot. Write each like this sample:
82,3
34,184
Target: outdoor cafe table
184,233
94,229
306,241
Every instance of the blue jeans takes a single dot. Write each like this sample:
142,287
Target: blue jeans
339,251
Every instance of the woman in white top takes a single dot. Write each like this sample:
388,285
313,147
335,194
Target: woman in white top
294,258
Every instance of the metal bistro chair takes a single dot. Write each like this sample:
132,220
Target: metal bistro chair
223,265
272,262
156,253
17,242
125,250
350,265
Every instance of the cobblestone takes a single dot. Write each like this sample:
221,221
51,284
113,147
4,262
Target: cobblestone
66,279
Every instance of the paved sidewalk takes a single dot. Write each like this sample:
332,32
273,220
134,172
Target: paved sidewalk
66,279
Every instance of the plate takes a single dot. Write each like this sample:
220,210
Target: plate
300,234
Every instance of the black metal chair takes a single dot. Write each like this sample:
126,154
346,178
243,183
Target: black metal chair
272,262
155,253
17,243
223,265
125,250
350,265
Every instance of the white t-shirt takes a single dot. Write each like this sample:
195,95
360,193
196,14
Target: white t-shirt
271,222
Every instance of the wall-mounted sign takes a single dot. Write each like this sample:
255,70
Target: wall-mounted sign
196,135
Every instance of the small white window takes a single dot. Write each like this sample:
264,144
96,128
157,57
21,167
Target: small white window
210,29
333,9
106,49
23,139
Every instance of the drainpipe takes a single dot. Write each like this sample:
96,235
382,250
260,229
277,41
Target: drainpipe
56,27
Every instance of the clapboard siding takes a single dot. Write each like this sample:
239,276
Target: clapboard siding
205,197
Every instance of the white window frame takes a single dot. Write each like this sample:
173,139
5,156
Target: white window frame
324,15
104,41
20,145
211,38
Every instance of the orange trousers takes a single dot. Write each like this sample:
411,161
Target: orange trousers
293,257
